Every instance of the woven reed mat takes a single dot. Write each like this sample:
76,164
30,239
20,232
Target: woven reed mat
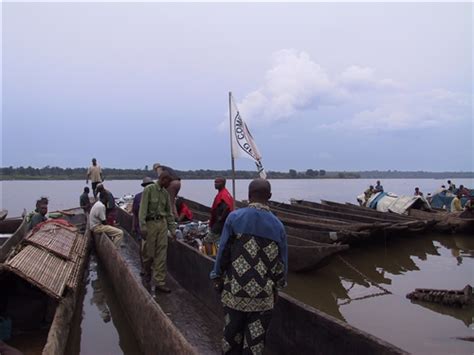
47,271
78,259
55,238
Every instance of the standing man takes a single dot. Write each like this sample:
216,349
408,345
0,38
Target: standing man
136,225
250,267
94,174
84,201
155,221
174,186
98,224
222,205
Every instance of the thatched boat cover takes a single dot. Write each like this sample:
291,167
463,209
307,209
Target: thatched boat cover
50,257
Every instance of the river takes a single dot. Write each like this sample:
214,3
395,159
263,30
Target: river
366,288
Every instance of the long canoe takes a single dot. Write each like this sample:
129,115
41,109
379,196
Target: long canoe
389,222
153,329
295,327
41,274
303,254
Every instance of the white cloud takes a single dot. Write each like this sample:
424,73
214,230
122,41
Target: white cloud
356,78
295,84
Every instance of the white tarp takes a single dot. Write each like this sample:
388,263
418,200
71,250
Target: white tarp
393,203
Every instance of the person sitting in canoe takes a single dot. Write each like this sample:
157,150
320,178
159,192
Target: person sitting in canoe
418,192
39,215
184,213
378,187
367,194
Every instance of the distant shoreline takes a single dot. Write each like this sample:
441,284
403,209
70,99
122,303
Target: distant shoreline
56,173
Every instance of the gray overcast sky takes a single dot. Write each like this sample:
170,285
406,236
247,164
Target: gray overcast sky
325,86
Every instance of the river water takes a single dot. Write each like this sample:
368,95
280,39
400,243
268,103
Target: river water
366,287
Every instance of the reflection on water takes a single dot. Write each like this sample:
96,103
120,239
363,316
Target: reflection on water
367,285
103,327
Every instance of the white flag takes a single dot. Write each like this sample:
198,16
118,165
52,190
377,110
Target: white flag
243,145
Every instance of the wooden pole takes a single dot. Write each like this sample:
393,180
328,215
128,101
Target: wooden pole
231,147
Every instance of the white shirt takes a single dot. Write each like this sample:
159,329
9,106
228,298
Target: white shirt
97,215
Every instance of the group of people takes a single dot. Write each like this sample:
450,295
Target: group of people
372,191
250,238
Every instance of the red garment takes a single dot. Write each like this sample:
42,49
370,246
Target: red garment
222,196
186,211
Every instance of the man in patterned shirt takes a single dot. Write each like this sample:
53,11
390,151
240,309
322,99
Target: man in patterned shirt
250,267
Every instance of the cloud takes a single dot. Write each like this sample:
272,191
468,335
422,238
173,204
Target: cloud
356,78
416,110
295,85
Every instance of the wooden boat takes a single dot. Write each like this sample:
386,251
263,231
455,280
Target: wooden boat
153,329
10,228
41,272
303,254
295,326
451,222
453,298
383,221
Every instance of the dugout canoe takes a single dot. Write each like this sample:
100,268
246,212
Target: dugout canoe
390,222
153,329
295,327
41,273
303,254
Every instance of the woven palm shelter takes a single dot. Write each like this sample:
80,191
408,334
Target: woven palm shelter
50,257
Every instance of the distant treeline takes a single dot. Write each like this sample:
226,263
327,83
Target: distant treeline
57,173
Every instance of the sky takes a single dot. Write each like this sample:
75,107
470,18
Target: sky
334,86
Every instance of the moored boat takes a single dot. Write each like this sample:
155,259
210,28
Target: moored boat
303,254
41,272
295,327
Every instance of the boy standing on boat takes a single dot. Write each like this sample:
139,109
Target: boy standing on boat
251,265
156,220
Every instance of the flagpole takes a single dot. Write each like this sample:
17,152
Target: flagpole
231,146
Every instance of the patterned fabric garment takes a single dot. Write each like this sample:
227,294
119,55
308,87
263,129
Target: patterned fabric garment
240,339
253,270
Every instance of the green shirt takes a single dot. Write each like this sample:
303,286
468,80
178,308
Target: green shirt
36,218
155,204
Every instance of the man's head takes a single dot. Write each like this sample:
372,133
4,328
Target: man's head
94,161
371,187
219,183
147,181
86,190
100,188
461,187
43,208
417,189
165,179
449,182
157,168
378,182
42,200
104,198
260,190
